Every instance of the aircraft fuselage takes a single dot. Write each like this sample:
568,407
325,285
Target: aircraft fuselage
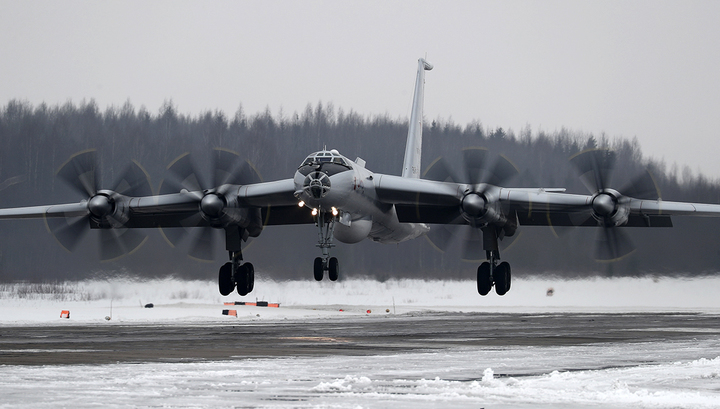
329,182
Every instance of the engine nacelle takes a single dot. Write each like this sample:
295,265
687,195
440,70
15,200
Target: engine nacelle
222,210
482,209
108,210
610,208
357,231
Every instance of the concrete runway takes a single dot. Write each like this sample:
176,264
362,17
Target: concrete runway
359,335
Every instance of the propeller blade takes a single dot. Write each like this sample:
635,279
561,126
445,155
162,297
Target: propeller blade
115,243
475,160
68,231
173,235
642,187
177,235
439,171
194,220
183,175
501,172
228,168
582,217
203,245
81,172
440,237
612,244
595,167
134,181
473,244
479,169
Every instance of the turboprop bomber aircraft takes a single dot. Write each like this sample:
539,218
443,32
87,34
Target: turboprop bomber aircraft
349,203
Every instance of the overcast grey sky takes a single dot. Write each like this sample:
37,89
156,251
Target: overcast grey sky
649,69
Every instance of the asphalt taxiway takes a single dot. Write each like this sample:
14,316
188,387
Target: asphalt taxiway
357,335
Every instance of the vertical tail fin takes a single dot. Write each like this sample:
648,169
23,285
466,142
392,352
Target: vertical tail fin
413,147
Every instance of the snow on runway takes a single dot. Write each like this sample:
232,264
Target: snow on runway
675,372
491,378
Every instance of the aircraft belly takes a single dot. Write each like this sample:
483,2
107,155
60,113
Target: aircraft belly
385,226
387,229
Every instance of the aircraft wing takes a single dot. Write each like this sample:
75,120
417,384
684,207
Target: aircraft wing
275,199
278,201
38,212
537,207
426,201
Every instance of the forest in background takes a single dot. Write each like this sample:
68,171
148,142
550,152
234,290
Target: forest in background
36,140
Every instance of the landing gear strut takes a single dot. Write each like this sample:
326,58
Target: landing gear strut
490,273
235,273
325,242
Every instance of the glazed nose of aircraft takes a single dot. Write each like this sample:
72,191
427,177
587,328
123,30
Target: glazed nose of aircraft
316,185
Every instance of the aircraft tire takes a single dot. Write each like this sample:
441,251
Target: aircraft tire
333,269
483,279
251,277
225,282
242,277
502,278
318,269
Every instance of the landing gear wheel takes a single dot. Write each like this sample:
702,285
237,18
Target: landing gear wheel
225,282
484,283
245,279
333,269
318,269
251,277
502,278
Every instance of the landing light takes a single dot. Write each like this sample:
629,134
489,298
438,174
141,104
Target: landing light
314,212
334,211
301,204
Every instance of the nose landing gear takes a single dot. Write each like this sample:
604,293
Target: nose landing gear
325,223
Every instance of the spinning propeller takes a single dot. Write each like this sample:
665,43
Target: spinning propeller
479,207
104,208
217,203
609,207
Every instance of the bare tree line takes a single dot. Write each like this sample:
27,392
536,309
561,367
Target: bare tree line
36,140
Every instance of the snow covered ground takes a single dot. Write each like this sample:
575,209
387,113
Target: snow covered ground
453,378
181,301
677,374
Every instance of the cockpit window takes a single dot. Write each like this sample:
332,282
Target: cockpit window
323,157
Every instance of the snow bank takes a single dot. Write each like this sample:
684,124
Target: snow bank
124,299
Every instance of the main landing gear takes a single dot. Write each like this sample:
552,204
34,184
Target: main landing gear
325,242
490,273
236,274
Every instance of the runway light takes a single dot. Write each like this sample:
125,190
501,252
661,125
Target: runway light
301,204
314,212
334,211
